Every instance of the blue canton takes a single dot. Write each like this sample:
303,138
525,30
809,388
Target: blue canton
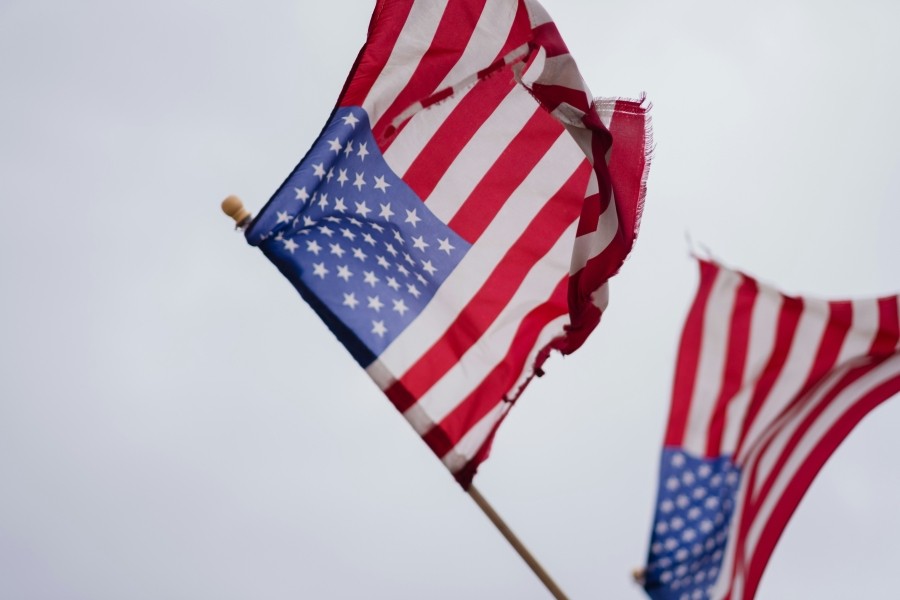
693,515
355,240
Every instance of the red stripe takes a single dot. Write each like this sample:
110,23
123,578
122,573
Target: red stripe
689,357
453,33
627,163
840,319
803,478
551,96
547,36
788,320
735,361
507,173
455,132
385,26
492,297
582,286
492,390
888,327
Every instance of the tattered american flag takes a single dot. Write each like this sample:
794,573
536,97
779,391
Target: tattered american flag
766,388
461,212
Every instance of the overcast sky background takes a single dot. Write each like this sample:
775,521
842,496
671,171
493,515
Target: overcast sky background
176,423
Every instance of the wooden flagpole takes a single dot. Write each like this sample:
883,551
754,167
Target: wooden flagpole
234,208
514,541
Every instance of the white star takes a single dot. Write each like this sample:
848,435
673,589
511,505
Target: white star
445,245
382,261
284,217
411,217
302,194
290,245
376,227
351,120
323,201
392,283
320,270
375,303
339,205
421,279
420,243
362,209
413,290
378,328
307,221
362,152
429,268
335,145
333,219
355,221
348,148
319,170
386,211
348,234
367,238
402,270
326,230
342,177
336,250
409,259
400,306
344,273
358,253
313,246
399,237
330,174
350,300
381,184
370,278
391,249
360,181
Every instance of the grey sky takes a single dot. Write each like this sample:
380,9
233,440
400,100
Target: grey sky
176,423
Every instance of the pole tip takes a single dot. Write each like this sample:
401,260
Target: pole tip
234,208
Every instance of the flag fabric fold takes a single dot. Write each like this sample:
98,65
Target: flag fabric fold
766,387
461,212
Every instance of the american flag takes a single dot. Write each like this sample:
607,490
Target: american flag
450,224
766,388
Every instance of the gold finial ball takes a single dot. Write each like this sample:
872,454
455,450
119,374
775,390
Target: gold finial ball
234,208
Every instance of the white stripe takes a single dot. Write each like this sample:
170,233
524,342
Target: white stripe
713,352
591,244
487,41
516,214
862,333
761,344
480,153
468,446
537,14
490,349
413,41
551,331
793,375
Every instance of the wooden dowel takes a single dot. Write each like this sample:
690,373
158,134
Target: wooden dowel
514,541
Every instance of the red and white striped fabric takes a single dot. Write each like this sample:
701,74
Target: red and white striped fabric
766,388
477,107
